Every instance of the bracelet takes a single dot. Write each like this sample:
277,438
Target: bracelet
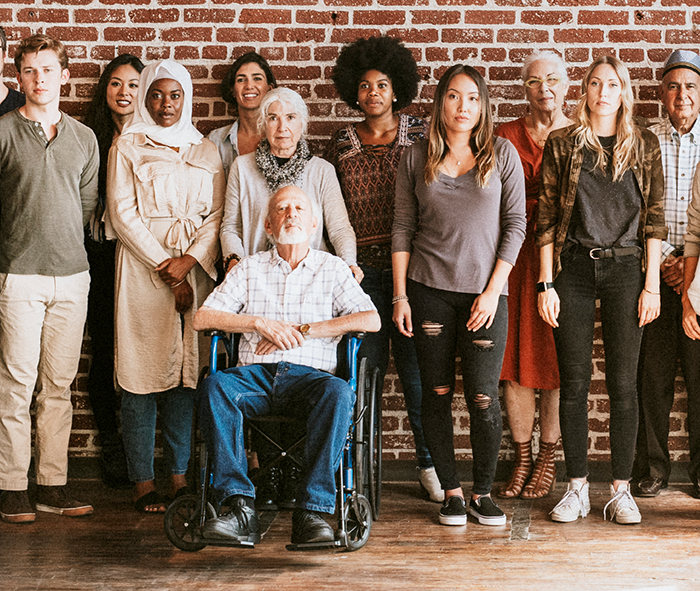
399,298
181,282
651,292
230,258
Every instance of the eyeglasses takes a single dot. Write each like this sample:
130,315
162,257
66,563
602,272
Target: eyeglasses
550,82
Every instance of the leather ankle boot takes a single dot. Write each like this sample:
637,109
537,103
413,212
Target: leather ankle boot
544,476
521,471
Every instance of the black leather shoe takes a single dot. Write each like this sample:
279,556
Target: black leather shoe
268,489
649,487
240,523
309,526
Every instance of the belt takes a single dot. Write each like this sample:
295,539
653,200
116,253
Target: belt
613,251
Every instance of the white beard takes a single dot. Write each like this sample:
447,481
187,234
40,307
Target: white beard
291,235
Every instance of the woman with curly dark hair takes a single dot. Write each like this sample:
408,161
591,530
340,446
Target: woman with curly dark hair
378,76
110,109
246,83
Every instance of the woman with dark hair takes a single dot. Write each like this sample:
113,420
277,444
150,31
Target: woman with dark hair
112,106
599,228
246,83
165,194
458,227
379,77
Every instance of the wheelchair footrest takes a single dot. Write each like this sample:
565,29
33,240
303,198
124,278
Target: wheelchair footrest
311,546
227,543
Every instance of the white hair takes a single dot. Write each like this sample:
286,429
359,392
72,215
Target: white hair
550,56
288,97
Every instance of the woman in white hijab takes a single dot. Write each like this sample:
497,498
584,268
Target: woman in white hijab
165,192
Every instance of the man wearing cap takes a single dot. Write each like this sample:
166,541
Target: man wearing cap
664,341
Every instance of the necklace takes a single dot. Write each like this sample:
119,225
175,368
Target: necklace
459,160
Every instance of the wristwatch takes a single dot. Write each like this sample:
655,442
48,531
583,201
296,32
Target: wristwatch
544,286
304,329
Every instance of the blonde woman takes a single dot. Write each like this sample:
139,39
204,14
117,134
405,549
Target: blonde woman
599,229
458,226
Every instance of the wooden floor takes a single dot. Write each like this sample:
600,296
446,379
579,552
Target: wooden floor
118,549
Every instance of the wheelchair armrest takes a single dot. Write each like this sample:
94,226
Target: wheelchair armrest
356,335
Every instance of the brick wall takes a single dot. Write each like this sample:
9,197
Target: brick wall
301,39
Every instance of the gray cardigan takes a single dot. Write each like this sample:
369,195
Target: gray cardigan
454,229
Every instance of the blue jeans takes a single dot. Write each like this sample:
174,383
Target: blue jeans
617,282
139,430
324,401
378,285
439,328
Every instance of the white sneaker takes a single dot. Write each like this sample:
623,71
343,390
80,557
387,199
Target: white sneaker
429,483
623,509
573,504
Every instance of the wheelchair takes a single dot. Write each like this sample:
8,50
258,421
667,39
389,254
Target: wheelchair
358,480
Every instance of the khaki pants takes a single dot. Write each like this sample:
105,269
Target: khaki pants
42,320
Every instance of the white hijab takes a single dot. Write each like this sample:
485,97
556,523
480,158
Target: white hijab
183,133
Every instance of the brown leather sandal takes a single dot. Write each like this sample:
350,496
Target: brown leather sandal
544,476
521,471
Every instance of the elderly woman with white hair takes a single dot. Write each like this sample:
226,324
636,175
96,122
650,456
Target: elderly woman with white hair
530,361
283,158
165,190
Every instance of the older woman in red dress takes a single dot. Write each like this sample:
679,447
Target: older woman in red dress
530,361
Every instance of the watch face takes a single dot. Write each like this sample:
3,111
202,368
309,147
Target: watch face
304,329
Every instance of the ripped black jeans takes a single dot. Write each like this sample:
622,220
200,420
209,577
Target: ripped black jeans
439,328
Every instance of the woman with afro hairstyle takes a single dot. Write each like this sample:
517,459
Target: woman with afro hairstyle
378,76
111,108
245,84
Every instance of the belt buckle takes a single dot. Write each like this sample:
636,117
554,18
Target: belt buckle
593,256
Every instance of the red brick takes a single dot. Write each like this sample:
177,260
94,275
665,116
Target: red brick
301,35
204,15
489,17
133,2
203,90
84,70
348,35
437,54
597,52
47,15
513,92
414,35
318,17
633,3
434,17
573,2
587,36
603,17
158,53
180,2
522,36
626,36
219,110
187,34
402,2
157,15
260,16
576,54
106,15
5,15
73,33
200,110
214,52
493,54
379,17
347,3
648,93
325,54
631,55
504,73
646,110
272,53
298,53
72,2
132,34
325,91
465,54
296,73
546,17
467,36
663,18
136,50
249,35
186,52
680,2
320,109
680,37
103,52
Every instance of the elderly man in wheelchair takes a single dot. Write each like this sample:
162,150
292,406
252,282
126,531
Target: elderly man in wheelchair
292,305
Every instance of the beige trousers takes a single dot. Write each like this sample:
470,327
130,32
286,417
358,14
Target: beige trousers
42,320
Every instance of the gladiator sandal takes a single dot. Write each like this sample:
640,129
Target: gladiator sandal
521,471
544,476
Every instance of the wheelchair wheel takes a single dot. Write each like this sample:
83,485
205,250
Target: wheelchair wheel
358,522
360,448
182,521
374,445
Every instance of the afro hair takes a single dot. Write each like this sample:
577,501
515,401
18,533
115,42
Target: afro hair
384,54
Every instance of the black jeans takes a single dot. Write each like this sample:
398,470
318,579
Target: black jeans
439,328
663,343
617,282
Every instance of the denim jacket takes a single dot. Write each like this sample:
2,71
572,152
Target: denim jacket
561,166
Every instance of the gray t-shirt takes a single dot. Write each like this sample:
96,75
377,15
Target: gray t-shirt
454,229
48,191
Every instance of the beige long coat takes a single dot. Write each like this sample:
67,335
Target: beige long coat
161,204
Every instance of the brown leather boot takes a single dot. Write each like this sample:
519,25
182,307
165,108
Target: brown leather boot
544,476
521,471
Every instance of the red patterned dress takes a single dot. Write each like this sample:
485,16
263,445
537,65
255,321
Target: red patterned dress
530,358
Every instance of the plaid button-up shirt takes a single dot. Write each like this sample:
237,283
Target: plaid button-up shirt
264,284
680,155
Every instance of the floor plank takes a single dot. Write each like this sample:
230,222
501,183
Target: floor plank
118,549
